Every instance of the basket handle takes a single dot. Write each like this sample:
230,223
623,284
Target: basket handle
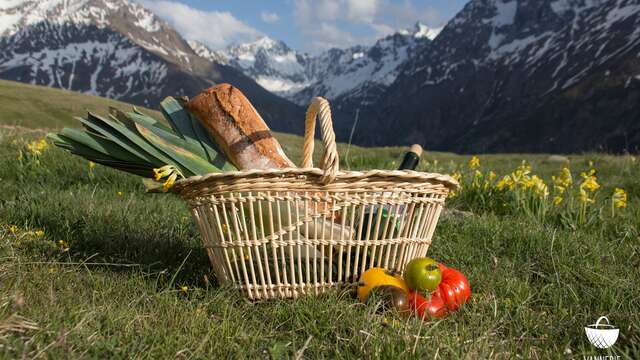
330,162
600,319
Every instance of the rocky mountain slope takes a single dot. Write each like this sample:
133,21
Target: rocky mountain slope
332,74
118,49
518,75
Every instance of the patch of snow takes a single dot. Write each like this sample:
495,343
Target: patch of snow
8,22
426,32
8,4
280,85
505,12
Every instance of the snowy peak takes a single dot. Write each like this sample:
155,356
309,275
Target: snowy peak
420,31
271,63
333,73
204,52
17,14
123,16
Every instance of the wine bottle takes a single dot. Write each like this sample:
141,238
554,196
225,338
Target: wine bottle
411,158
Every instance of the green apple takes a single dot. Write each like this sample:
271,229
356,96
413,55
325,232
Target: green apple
422,274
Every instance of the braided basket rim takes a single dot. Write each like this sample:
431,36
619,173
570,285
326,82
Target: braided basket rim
351,175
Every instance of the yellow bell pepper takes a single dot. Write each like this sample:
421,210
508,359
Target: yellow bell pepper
376,277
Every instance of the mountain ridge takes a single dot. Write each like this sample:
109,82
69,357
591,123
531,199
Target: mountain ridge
336,72
519,76
117,48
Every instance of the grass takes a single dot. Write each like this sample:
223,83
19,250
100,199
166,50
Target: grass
116,292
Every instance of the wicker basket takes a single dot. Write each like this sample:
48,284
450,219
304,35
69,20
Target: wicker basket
280,233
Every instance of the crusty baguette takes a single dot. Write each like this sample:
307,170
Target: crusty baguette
248,143
238,128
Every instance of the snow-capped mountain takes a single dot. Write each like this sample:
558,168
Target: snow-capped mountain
118,49
358,74
518,75
333,73
271,63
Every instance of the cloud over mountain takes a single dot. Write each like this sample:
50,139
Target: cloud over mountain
199,25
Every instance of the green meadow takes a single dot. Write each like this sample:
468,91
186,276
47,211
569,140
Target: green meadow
93,267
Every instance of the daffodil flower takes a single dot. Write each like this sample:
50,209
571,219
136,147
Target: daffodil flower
170,181
170,172
474,162
619,198
584,197
590,181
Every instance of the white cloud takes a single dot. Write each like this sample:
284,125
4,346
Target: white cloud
269,17
216,29
362,10
327,36
333,23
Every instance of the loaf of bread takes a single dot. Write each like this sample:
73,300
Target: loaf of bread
238,128
245,138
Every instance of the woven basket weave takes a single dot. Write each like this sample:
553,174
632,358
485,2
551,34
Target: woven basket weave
280,233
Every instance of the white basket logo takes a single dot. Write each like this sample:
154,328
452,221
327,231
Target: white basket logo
600,335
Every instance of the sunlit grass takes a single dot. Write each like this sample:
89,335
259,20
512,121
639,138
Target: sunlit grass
91,266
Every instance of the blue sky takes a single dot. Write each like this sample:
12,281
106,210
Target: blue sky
306,25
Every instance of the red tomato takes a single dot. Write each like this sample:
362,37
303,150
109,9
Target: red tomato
433,306
454,288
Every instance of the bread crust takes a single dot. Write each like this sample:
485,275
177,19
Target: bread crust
238,129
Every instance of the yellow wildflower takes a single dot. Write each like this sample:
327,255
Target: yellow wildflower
120,193
619,198
491,175
563,181
590,181
37,147
457,176
39,233
539,186
13,229
477,175
505,182
474,162
584,197
163,171
557,200
168,171
91,165
184,289
170,181
63,245
52,270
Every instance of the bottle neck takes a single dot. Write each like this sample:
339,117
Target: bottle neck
410,161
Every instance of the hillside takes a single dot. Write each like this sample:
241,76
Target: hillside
35,106
41,107
117,49
521,76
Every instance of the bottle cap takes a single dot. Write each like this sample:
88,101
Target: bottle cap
416,149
